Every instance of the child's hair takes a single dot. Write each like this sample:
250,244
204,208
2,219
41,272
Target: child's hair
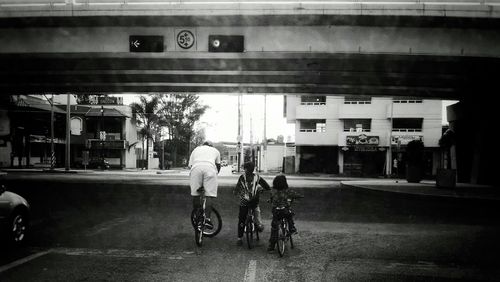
279,182
250,166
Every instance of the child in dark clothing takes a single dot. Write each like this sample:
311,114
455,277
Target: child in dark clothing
248,189
281,196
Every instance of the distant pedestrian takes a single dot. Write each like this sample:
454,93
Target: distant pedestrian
395,164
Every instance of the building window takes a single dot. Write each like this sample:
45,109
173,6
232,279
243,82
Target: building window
312,100
406,100
313,125
357,100
76,126
407,124
357,125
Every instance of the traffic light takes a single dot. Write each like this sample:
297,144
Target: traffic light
226,43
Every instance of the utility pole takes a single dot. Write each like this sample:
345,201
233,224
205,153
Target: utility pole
239,148
389,162
68,129
264,147
52,153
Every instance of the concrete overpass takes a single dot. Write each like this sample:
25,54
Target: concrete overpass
430,49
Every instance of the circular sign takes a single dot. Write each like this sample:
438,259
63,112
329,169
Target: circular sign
185,39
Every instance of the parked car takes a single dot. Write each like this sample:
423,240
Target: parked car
100,163
14,216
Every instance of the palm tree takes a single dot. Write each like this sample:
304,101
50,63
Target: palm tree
147,114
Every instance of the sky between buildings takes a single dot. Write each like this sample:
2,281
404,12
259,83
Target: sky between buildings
221,120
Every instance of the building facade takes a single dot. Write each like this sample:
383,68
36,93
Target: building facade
100,129
362,136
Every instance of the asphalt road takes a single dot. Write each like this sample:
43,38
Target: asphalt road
117,227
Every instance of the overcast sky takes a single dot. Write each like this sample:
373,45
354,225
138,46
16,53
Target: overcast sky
221,119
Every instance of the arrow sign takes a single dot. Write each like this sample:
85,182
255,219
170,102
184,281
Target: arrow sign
146,43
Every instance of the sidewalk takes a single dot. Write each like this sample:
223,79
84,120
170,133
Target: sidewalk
426,188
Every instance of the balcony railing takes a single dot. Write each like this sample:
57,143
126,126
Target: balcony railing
407,130
313,103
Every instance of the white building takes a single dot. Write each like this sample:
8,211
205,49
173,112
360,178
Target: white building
350,135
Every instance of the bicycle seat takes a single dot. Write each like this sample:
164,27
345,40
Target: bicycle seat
201,189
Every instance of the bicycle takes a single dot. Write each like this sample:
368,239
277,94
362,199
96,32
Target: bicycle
251,226
199,220
284,234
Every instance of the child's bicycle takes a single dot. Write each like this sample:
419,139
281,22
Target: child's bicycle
251,226
284,234
199,219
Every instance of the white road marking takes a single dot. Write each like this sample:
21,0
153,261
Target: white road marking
251,271
105,226
23,261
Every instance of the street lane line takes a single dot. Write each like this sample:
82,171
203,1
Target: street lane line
22,261
251,271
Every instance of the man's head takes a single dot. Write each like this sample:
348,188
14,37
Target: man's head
208,143
249,167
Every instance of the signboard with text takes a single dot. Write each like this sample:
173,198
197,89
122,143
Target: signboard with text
146,43
405,139
362,139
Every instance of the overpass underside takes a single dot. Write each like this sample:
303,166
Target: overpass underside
89,51
427,76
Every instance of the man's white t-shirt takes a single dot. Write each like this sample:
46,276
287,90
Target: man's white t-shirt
204,155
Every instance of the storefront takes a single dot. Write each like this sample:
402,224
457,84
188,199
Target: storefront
362,156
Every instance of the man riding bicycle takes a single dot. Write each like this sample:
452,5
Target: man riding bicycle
205,165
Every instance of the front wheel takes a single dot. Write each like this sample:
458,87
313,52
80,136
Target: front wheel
281,238
249,234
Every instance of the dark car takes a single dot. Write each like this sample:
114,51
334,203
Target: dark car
100,163
14,216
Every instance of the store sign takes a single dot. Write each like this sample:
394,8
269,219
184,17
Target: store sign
364,148
110,144
45,139
405,139
362,139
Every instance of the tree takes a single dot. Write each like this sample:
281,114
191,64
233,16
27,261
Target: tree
180,113
147,113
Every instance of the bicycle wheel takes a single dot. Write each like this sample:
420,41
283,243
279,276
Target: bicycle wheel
282,237
249,234
216,221
198,237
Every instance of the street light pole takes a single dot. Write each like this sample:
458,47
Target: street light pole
68,129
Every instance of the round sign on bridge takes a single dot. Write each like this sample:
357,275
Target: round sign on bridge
185,39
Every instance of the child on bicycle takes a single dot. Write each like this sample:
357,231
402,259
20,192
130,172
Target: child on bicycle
281,196
248,190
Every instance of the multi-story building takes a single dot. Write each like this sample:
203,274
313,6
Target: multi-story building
102,128
351,135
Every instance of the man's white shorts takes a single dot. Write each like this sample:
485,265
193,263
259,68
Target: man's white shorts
206,176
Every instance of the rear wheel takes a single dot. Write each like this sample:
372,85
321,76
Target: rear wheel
281,238
216,220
